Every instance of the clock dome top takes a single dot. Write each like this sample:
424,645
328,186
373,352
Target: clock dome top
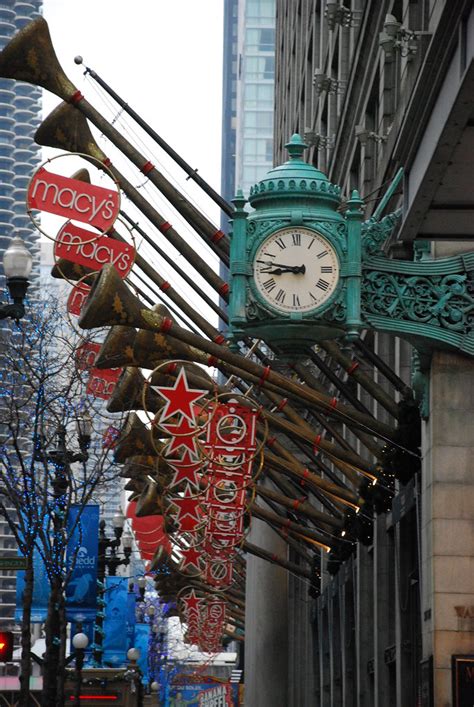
296,179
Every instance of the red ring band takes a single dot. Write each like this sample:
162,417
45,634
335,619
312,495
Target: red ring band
147,167
165,227
76,98
218,235
265,375
316,444
166,325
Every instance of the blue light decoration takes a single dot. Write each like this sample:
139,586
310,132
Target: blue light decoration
82,561
115,623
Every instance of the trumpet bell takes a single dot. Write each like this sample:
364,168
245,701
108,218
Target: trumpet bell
110,302
128,394
117,348
65,269
66,128
134,440
138,466
30,57
149,503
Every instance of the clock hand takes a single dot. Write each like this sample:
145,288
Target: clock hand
285,268
278,265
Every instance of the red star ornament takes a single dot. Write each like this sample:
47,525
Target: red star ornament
180,398
188,516
182,434
192,603
191,559
186,469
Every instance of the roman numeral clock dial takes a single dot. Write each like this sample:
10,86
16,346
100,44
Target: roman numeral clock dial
296,270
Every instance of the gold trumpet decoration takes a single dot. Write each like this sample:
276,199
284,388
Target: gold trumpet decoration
117,349
127,393
111,303
134,440
30,57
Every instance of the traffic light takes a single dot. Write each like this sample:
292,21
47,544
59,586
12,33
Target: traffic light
6,646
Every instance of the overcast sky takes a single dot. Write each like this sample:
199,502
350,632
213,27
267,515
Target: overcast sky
165,59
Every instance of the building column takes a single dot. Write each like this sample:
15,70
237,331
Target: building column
266,623
448,514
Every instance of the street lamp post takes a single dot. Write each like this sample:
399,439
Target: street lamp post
61,458
80,643
133,654
17,265
108,561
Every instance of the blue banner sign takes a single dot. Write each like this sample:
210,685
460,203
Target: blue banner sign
115,623
82,557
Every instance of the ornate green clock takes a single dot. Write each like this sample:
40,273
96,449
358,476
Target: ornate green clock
295,270
302,272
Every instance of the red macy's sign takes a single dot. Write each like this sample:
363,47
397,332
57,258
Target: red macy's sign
83,247
73,199
77,298
101,382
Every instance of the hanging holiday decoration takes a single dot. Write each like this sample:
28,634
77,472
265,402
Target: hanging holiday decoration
211,449
77,298
101,382
81,246
73,199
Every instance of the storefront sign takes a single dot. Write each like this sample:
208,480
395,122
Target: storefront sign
73,199
77,298
85,248
463,680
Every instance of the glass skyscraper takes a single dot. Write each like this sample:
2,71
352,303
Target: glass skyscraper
249,68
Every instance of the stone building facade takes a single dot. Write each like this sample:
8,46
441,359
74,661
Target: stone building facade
375,86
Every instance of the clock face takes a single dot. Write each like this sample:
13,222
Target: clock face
296,270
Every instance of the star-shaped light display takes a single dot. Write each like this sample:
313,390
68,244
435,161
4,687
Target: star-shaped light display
180,398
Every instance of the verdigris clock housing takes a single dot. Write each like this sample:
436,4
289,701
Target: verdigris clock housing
301,271
295,260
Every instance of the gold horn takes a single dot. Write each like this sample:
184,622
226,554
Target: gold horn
134,440
156,348
149,503
137,466
72,271
67,129
117,348
128,394
30,57
136,485
111,303
82,175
